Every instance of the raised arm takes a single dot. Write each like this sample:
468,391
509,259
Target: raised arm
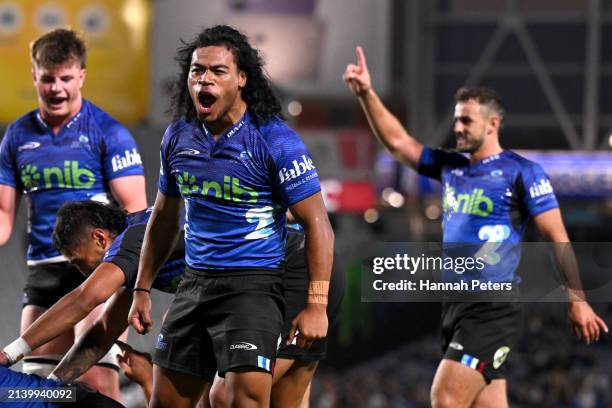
312,320
383,123
129,191
9,201
162,231
586,324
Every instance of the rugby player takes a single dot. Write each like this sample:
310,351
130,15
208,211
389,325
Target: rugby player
478,336
238,167
67,149
104,243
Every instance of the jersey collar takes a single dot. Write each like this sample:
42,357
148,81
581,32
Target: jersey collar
232,130
72,122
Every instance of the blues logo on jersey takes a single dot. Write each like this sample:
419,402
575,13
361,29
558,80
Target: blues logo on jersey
76,164
236,190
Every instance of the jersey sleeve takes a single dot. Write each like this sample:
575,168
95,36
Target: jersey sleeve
125,252
8,171
167,182
538,193
295,175
121,155
432,161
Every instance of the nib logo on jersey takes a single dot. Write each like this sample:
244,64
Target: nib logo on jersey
129,158
70,176
300,167
540,188
229,190
475,203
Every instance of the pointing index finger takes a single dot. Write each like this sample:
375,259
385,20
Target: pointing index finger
361,59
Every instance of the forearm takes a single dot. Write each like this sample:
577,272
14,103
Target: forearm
61,317
319,253
86,352
389,130
565,258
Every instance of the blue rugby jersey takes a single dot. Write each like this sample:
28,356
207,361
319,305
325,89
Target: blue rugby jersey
488,202
125,253
236,190
76,164
12,380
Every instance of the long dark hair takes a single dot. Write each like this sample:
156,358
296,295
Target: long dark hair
74,216
261,101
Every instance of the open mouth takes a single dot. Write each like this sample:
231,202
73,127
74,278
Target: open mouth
55,101
206,100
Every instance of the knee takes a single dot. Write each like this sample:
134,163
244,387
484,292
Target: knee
247,397
442,398
217,396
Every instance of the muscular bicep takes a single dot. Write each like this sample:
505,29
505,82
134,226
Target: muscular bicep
129,191
310,211
9,201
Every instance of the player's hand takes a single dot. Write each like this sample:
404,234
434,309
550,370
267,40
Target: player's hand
585,323
140,313
309,325
357,77
138,366
4,360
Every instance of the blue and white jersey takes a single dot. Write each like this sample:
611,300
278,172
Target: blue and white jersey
487,205
236,190
76,164
125,253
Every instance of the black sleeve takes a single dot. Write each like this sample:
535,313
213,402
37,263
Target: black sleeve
128,255
432,161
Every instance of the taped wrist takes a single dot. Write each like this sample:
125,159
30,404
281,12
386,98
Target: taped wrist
317,292
16,350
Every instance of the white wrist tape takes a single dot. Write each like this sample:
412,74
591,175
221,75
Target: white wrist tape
53,377
16,350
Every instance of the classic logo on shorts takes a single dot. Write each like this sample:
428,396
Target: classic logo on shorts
161,344
455,345
500,356
243,345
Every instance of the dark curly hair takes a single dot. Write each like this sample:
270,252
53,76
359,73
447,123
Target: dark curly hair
74,216
261,101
